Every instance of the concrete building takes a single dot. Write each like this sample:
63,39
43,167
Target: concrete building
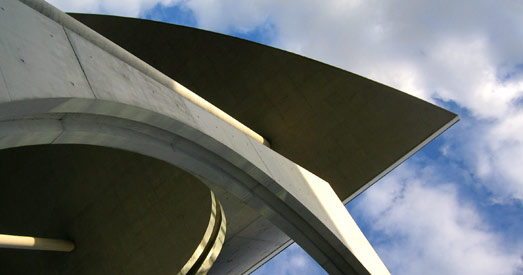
106,157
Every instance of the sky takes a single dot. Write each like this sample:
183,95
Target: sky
455,207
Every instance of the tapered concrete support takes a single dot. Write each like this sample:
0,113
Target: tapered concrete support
33,243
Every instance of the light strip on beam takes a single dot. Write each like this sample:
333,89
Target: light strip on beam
32,243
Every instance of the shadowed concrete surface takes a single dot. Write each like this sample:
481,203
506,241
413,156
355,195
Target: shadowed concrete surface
342,127
126,213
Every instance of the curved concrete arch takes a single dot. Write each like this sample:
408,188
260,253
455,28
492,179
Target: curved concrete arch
117,125
60,88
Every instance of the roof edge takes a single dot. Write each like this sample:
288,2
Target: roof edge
402,159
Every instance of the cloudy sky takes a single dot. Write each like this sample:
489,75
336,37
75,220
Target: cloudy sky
456,207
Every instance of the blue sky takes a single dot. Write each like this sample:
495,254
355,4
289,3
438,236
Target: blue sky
456,207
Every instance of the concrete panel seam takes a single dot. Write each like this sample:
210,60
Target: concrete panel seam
60,119
78,59
5,84
261,159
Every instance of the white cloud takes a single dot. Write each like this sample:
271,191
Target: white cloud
222,16
429,230
291,261
131,8
495,152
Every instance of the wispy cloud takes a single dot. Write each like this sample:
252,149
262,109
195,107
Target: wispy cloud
425,228
133,8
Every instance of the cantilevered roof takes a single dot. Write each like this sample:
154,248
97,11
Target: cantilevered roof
345,128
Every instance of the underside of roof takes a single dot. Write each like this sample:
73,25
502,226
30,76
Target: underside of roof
345,128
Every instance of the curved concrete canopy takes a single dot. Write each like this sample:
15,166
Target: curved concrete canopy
126,213
344,128
64,84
